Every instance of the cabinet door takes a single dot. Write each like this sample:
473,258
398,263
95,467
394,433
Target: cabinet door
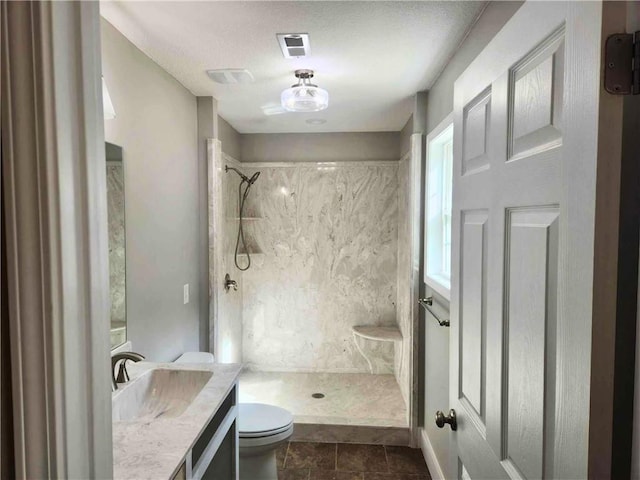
224,464
215,453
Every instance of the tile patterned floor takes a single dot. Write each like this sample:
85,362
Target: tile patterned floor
342,461
350,398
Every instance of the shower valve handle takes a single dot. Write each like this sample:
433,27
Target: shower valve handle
228,283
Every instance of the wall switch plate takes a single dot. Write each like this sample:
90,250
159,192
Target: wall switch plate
185,293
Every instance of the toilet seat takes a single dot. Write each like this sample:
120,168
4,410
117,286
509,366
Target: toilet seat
258,420
267,433
257,445
261,427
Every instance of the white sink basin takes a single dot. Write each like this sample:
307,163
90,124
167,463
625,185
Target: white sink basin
158,393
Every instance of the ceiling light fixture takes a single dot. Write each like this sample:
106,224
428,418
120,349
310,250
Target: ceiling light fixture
304,96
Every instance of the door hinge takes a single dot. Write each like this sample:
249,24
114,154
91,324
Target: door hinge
622,64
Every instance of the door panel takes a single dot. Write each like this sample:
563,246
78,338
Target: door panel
472,293
525,141
536,102
530,294
477,115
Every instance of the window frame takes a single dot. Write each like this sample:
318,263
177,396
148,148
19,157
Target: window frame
439,283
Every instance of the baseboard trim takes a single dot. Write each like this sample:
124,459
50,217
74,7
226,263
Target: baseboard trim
430,457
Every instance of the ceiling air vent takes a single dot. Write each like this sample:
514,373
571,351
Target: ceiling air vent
230,76
294,45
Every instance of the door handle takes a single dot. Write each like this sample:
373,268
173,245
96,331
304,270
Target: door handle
441,419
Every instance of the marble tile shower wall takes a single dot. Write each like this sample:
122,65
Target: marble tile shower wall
402,364
225,307
117,261
328,237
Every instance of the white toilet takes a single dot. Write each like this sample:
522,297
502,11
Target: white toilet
262,428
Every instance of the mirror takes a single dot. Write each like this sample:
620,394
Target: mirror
117,250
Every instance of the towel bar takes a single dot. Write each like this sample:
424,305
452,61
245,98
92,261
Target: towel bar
427,303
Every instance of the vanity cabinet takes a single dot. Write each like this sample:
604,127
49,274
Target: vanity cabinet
182,473
224,463
196,433
214,455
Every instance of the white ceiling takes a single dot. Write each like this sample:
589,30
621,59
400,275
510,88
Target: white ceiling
371,56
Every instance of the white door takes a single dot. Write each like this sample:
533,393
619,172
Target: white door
525,123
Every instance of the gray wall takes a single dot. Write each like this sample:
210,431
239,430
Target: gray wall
229,138
156,126
405,136
488,24
319,147
439,105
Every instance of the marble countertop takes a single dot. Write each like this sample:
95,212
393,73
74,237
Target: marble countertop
155,449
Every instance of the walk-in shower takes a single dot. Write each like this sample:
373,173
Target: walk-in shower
247,182
338,239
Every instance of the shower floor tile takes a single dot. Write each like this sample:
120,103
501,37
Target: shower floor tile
349,398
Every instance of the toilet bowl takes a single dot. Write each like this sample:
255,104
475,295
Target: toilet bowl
261,429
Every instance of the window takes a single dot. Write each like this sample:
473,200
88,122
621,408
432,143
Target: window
438,208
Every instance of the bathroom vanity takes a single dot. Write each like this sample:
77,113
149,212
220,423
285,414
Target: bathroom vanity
176,421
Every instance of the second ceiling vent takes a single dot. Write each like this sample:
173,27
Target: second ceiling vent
294,45
229,76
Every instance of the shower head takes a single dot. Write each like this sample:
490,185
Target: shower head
253,178
244,178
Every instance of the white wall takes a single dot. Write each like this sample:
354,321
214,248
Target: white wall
439,105
156,127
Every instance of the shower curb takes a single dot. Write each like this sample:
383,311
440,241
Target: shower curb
325,433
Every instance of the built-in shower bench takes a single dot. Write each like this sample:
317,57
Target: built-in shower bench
382,334
390,333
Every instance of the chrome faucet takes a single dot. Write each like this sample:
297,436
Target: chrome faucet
123,375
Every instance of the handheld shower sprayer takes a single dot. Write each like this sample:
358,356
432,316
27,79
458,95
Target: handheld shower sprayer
253,178
242,196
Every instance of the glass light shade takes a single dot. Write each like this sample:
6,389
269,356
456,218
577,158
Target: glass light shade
304,98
